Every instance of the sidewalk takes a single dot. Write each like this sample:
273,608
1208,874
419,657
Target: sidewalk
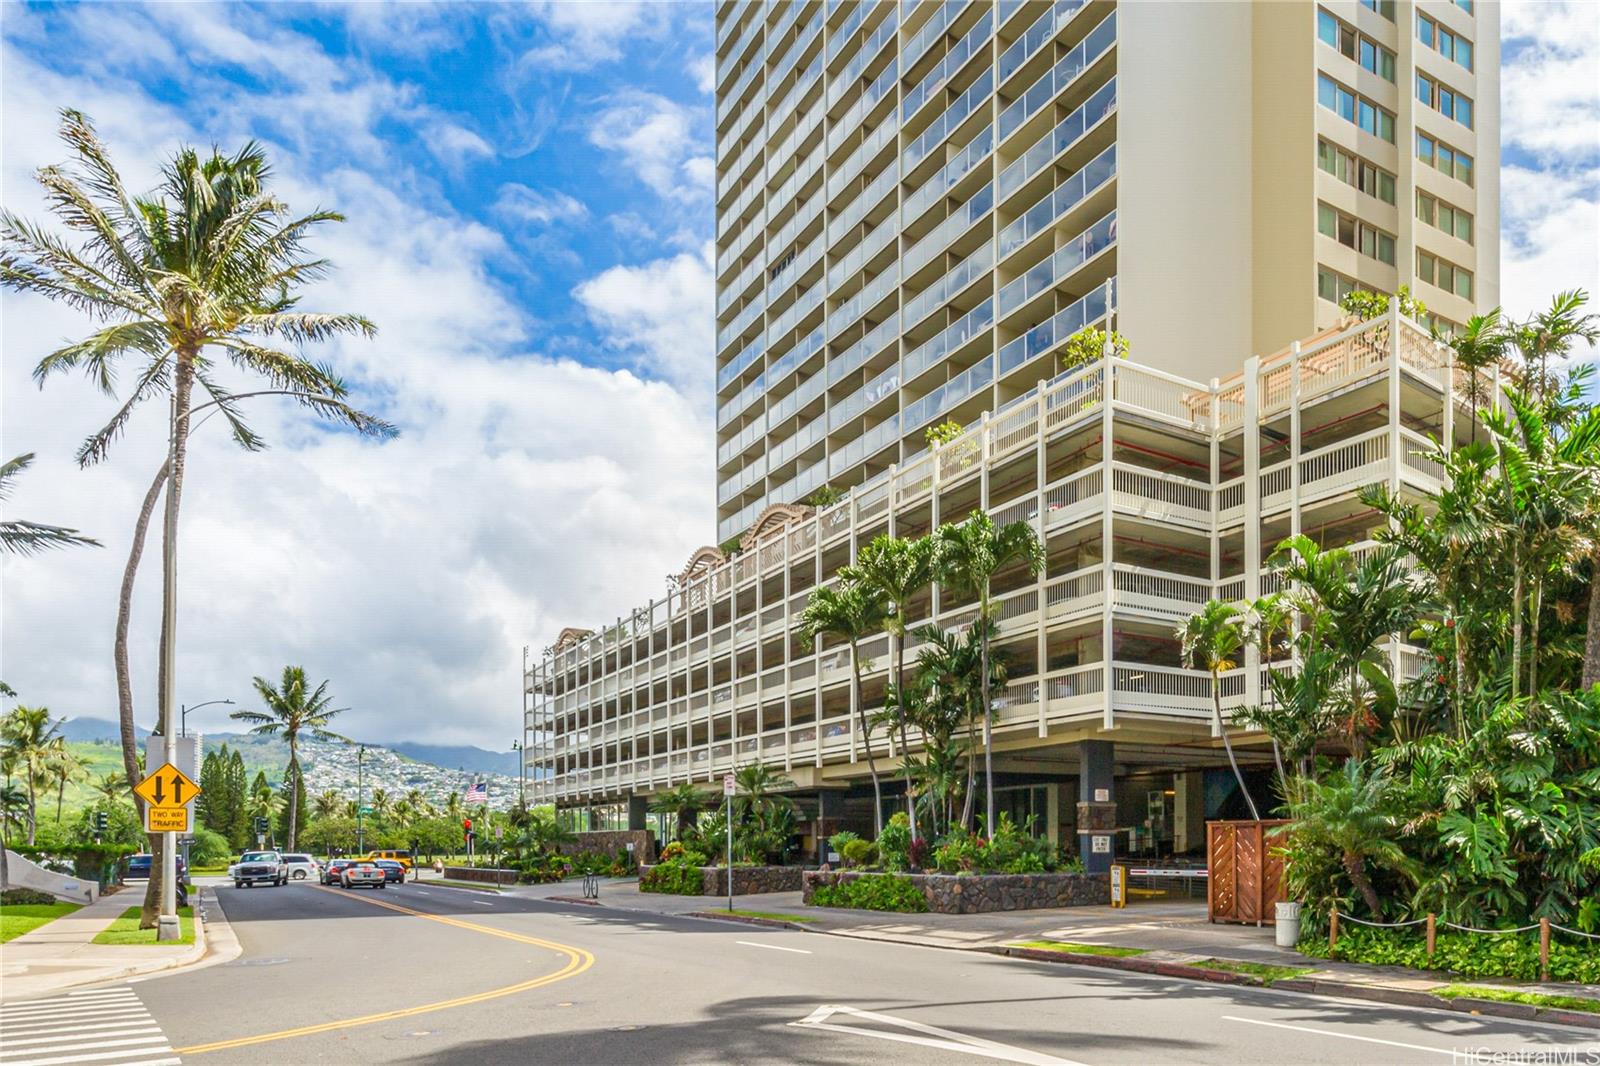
1171,938
59,955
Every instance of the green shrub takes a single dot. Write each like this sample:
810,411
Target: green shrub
1507,955
676,877
873,892
894,844
24,897
860,853
840,839
209,848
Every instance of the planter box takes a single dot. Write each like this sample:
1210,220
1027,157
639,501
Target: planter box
478,873
747,880
983,893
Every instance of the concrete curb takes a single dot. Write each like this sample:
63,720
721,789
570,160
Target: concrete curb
745,919
54,983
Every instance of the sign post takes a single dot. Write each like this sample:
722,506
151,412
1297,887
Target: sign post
168,794
1119,885
727,794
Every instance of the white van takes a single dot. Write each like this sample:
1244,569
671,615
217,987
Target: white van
302,867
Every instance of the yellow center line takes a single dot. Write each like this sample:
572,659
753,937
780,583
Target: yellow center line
578,961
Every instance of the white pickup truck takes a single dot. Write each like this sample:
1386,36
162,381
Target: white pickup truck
259,867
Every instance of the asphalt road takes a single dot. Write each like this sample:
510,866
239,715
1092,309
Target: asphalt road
454,976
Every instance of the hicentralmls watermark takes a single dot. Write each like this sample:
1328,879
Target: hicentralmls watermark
1532,1056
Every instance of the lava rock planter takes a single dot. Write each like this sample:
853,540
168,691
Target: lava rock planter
747,880
983,893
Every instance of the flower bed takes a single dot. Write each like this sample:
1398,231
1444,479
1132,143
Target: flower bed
679,879
983,893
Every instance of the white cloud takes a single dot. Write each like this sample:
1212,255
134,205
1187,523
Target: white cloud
1552,236
661,313
454,145
522,204
525,492
703,69
657,139
585,34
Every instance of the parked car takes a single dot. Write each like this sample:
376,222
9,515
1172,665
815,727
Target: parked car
330,872
139,867
259,868
302,866
392,871
362,872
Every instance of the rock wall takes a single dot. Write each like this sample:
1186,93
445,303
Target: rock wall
982,893
611,841
747,880
479,873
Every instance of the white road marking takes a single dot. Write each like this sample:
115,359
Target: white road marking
926,1036
1342,1036
108,1026
481,902
771,947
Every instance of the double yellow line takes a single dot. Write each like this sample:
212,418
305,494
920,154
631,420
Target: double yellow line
578,961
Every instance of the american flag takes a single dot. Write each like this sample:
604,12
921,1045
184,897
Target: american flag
478,793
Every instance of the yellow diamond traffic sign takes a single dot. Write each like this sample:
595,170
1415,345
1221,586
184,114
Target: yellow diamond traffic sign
168,787
166,819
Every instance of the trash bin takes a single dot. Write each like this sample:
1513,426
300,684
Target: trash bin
1288,924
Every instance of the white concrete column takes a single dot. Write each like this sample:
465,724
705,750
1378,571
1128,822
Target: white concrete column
1252,512
1108,595
1040,466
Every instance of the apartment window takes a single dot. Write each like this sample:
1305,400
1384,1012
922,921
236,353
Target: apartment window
1352,108
1383,7
1443,158
1333,286
1465,5
1444,100
1353,233
1440,325
1443,216
1355,46
1451,45
1353,170
1444,275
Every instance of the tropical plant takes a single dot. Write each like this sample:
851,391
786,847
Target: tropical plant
1352,815
967,557
64,767
763,816
13,811
1481,344
112,787
208,261
293,708
1366,305
950,699
684,801
30,739
1550,335
897,572
1089,345
19,537
328,804
849,611
1211,639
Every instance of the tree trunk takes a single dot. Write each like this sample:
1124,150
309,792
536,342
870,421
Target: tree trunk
866,742
61,793
130,739
1591,646
1227,745
900,698
1535,605
1355,868
294,791
33,809
972,776
988,759
1516,626
5,866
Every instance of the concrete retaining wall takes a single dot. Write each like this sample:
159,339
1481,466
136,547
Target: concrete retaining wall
24,873
475,873
983,893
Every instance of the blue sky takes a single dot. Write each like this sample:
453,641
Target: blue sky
528,192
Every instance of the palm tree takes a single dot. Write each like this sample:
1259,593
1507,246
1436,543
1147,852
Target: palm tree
265,804
292,707
208,261
848,611
112,787
327,804
949,665
18,537
382,804
763,817
1350,813
29,737
967,557
897,571
684,802
13,808
1482,343
64,767
1270,618
1550,334
452,806
1211,638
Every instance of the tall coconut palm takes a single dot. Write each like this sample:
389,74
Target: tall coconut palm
293,707
204,265
18,537
382,804
13,810
112,787
328,804
64,768
949,665
898,571
849,611
684,802
966,558
1550,335
1211,639
29,736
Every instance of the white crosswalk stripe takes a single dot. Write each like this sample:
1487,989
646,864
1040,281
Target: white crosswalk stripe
103,1026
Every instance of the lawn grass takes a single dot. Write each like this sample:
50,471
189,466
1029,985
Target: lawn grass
26,917
1508,995
1067,947
222,869
125,930
1268,974
773,917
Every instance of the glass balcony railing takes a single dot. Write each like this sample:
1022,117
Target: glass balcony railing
792,314
1058,265
858,353
808,34
1034,37
885,83
737,326
1053,331
864,446
1058,140
791,360
857,257
736,446
1095,173
977,149
789,272
874,143
741,362
1058,77
949,339
952,392
864,397
747,395
881,35
933,29
870,197
802,85
960,220
876,289
960,276
783,409
940,128
946,68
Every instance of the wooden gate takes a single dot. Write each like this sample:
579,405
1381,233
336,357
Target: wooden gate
1244,871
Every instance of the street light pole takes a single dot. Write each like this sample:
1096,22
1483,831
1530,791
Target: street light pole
361,840
183,713
522,772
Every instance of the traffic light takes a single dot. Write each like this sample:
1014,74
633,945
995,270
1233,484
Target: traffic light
102,821
466,823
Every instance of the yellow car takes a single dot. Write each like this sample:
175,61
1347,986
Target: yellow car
401,857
